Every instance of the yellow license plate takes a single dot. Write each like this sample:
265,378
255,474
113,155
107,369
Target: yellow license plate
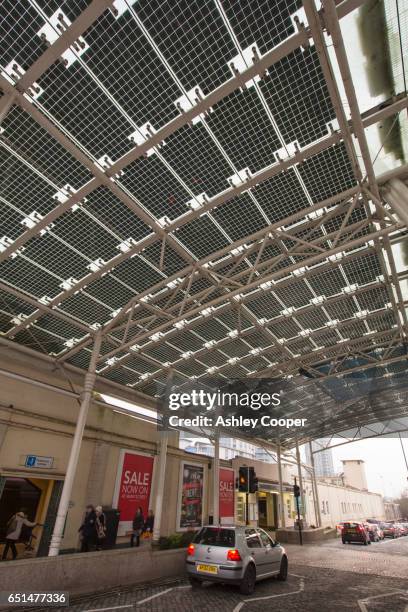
210,569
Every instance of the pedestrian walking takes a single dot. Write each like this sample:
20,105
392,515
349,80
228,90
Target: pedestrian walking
13,532
88,529
100,525
138,523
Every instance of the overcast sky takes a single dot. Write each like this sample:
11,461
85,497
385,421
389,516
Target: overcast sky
385,466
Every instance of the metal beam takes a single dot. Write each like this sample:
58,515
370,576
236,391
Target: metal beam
57,48
262,279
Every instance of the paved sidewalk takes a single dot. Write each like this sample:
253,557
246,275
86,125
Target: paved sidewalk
387,558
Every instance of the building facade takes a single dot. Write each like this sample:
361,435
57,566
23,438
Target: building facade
118,468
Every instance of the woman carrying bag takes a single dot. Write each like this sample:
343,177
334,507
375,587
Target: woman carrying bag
100,525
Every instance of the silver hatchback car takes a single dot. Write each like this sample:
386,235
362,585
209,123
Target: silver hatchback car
235,555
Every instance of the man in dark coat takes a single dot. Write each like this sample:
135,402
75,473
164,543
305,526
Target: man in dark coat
88,529
137,525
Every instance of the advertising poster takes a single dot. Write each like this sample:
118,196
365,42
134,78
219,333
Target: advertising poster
192,486
133,487
226,508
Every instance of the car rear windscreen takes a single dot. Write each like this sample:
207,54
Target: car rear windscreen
215,536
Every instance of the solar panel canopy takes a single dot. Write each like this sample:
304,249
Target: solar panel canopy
180,176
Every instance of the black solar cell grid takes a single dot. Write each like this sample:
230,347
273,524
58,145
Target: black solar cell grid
13,306
23,187
284,328
156,188
212,359
341,310
24,275
194,156
116,216
258,339
110,292
137,274
68,264
363,270
75,100
192,37
10,220
265,305
201,237
186,341
327,173
281,196
298,294
373,299
261,21
71,8
330,282
313,319
39,340
124,61
163,353
211,330
19,24
297,95
244,129
61,328
172,261
239,217
86,235
32,142
236,348
82,307
192,369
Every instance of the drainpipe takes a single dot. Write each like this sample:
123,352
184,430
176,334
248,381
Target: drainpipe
299,466
216,480
75,450
316,492
158,506
282,501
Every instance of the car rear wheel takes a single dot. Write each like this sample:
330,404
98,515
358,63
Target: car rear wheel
283,572
195,582
247,585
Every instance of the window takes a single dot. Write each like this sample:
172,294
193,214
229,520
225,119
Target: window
215,536
327,507
265,539
252,539
323,511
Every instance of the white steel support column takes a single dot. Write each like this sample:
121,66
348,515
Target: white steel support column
75,450
216,480
158,505
316,492
299,467
281,500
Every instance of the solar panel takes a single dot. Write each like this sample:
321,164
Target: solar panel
213,236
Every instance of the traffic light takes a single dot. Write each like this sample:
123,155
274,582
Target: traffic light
296,490
243,480
253,481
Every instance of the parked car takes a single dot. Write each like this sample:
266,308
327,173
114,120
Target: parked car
405,525
401,528
390,531
375,532
235,555
355,532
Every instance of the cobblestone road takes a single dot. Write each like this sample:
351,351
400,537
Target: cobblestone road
326,578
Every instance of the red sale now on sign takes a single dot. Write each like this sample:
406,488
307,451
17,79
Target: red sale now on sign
135,485
227,494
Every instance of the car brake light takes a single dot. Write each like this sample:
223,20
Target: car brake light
190,550
233,555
